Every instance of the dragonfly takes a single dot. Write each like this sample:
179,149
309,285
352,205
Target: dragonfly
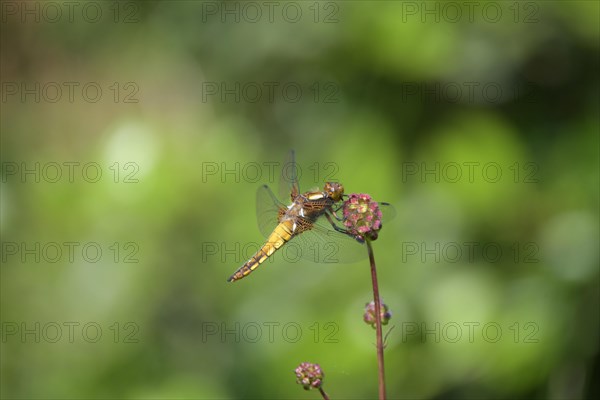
310,223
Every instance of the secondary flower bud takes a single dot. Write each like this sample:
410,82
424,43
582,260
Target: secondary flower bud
309,375
369,316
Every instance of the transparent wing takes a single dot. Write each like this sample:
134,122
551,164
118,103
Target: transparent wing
341,247
288,182
388,212
267,210
323,244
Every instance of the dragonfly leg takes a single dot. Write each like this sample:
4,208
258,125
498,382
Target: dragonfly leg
333,212
344,231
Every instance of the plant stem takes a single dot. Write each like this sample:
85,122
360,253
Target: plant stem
325,397
378,329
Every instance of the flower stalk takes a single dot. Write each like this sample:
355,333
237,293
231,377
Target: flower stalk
325,397
362,218
378,328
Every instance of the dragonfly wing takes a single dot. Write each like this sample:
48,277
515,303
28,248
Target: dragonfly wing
324,244
321,243
288,182
388,212
268,208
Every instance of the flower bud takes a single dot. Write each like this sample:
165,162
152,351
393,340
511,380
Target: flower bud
309,375
369,316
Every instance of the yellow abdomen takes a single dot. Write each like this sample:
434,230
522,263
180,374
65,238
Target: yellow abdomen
280,236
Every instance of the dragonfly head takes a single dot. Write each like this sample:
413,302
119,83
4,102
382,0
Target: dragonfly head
334,190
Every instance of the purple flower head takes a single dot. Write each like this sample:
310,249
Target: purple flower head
362,216
309,375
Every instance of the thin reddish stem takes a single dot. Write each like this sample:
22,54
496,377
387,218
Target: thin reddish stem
325,397
378,329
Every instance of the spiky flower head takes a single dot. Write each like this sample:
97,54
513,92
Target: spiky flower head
309,375
369,316
362,216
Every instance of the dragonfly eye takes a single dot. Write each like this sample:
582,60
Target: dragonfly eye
334,190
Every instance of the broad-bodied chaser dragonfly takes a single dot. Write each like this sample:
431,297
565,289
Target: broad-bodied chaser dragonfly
311,220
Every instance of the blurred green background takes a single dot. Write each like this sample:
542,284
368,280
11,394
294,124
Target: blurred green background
478,121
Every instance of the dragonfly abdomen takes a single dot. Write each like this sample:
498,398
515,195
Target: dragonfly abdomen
280,236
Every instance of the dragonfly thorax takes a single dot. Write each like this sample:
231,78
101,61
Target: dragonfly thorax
309,205
296,209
